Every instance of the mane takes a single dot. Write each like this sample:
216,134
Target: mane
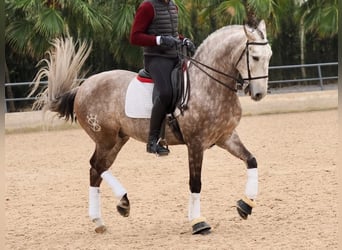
231,33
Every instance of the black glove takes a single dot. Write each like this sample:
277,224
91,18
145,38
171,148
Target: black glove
168,41
189,44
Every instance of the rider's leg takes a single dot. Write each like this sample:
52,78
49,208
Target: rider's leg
160,69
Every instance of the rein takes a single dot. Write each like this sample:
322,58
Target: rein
241,81
197,63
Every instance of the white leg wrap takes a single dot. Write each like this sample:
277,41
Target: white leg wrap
252,183
194,206
118,190
94,203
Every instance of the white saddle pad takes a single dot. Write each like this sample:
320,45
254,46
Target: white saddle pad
138,102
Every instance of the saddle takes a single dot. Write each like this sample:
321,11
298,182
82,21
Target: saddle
180,94
180,90
143,73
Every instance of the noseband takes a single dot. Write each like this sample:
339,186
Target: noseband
241,82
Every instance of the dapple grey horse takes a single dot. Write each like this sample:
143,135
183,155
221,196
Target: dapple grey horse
213,112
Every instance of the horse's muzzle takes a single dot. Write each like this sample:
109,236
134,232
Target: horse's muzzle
257,96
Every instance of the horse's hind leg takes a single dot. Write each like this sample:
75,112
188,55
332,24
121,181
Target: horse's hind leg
236,148
101,160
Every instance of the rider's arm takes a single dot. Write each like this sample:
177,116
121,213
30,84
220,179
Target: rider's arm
142,20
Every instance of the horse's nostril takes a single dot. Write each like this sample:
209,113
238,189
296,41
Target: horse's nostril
258,96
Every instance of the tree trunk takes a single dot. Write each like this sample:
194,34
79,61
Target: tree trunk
9,92
302,46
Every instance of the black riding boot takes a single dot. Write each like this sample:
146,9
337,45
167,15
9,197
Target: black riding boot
157,117
154,146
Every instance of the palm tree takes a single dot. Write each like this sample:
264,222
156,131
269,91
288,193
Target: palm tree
320,17
317,17
31,24
122,15
235,12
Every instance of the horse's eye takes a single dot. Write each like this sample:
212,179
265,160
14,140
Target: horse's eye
255,58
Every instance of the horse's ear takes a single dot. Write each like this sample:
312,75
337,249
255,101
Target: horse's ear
249,31
262,27
255,33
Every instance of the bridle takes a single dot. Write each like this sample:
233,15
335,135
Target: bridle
242,83
246,50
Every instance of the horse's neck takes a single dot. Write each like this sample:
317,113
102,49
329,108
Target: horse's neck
221,51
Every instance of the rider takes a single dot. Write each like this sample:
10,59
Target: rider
155,27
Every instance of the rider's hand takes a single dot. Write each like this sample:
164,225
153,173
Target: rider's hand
168,41
189,44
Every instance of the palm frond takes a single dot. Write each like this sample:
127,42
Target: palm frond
49,23
234,8
89,15
185,26
18,33
122,20
27,5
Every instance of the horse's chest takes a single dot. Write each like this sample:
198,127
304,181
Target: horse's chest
220,111
212,121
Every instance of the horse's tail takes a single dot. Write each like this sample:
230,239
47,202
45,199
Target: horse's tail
62,72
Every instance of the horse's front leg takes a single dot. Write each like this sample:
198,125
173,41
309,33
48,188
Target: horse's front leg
199,226
234,145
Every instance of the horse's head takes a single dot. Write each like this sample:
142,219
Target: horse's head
253,62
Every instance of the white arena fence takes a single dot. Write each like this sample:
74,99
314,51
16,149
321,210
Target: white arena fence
317,70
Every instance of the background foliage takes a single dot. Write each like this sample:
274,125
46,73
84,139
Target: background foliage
300,31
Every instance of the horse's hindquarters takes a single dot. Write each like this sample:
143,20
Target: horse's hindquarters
99,102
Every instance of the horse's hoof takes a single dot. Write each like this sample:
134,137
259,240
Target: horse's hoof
123,210
242,214
199,226
244,207
101,229
123,207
